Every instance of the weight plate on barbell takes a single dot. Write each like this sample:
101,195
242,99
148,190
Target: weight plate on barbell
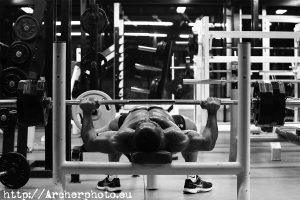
10,78
26,27
89,20
263,106
279,101
102,116
19,52
18,170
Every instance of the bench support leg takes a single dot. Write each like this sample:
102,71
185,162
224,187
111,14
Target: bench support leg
151,182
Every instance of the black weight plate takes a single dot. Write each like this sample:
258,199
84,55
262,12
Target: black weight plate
18,170
26,27
86,63
89,20
10,78
19,52
263,106
279,103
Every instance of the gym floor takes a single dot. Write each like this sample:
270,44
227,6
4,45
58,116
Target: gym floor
274,180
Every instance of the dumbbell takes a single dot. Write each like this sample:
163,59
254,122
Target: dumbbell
14,170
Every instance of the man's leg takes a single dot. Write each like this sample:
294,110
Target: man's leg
193,183
115,157
111,183
121,141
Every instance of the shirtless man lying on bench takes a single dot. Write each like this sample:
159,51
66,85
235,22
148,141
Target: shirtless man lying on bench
151,129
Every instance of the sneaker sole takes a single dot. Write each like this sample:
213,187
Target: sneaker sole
196,190
116,189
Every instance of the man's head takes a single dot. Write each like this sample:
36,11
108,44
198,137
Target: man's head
148,136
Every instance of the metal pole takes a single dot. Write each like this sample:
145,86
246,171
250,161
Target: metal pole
116,43
243,179
50,28
66,18
233,126
228,22
59,110
82,37
216,168
148,49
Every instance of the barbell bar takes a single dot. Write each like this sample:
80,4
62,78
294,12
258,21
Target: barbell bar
290,102
12,102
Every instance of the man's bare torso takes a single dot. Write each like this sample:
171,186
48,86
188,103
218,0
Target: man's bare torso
155,114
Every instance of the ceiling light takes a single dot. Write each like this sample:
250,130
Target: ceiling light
280,11
184,36
180,9
28,10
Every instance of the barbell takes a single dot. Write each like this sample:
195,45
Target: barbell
105,112
12,102
290,102
33,109
14,170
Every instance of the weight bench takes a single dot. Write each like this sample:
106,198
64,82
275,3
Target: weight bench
160,158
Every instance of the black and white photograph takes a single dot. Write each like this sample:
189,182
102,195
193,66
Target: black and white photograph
149,99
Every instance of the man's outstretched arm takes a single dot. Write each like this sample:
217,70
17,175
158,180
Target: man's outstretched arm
92,141
207,140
